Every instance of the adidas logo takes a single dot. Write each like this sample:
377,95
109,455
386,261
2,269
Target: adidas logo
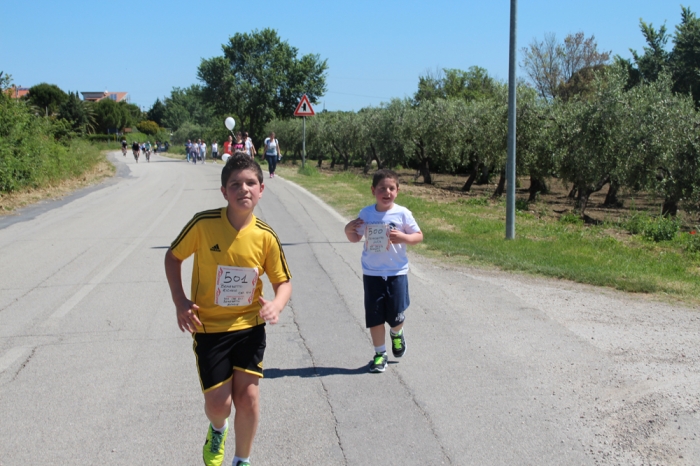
215,248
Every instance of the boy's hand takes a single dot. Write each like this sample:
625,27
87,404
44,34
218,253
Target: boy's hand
270,311
351,229
186,318
397,237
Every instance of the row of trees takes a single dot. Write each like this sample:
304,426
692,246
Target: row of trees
643,138
589,123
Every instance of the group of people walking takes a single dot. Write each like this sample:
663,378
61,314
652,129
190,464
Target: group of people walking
197,151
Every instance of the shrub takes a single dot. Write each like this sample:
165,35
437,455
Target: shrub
308,170
635,223
475,201
148,127
692,242
660,229
571,218
522,204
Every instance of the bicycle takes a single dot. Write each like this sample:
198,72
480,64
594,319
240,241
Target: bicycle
136,155
124,151
148,155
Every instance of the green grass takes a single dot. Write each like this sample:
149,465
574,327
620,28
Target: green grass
472,231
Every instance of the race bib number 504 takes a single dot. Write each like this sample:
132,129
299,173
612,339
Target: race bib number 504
377,237
235,286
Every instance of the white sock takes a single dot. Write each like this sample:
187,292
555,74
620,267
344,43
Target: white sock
222,429
236,459
380,349
393,334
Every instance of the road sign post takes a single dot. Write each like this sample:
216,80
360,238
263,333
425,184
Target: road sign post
304,109
512,115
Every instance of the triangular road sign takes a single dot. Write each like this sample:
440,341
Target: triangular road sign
304,108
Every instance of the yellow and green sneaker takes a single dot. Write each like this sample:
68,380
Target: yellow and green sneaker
213,451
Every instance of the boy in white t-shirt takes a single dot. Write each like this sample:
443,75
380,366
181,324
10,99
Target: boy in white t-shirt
387,228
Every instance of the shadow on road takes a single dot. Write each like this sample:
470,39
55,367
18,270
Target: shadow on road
313,372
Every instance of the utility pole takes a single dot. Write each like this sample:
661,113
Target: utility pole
510,165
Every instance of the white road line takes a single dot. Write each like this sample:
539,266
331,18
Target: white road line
13,355
67,306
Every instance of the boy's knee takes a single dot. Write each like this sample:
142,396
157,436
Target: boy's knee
247,399
218,408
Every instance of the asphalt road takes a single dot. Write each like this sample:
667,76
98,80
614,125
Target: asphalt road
93,369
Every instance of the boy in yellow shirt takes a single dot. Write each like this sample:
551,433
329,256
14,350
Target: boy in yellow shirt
226,312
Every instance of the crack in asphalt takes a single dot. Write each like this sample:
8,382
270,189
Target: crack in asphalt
24,364
323,385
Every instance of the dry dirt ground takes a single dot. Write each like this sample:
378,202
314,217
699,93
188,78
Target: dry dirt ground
9,203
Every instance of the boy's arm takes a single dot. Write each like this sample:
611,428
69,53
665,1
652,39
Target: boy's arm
351,230
184,308
271,310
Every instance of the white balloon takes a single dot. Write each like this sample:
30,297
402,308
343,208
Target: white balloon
230,123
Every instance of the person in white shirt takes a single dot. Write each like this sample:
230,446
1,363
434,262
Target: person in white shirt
272,153
214,150
249,147
203,150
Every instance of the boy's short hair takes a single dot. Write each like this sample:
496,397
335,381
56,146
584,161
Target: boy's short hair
240,161
384,173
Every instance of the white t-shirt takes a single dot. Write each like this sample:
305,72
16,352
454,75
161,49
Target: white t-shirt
249,147
214,147
270,146
394,261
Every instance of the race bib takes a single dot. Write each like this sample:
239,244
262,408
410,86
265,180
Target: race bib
235,286
377,237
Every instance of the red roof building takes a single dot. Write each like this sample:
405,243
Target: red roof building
18,92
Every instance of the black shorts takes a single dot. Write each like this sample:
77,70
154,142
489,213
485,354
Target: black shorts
385,300
219,354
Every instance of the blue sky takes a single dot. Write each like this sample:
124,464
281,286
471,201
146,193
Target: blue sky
376,50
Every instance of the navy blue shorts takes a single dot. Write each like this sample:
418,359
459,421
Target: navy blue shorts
385,300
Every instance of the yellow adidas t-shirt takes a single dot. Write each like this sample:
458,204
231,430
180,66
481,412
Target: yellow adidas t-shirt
214,242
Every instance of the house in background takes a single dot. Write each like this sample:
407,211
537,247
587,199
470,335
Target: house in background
17,92
97,96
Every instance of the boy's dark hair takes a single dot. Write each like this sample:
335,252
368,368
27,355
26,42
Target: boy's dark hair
379,175
240,161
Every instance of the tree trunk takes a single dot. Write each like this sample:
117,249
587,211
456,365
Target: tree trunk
368,163
537,185
501,187
472,177
425,171
572,193
582,200
320,161
485,172
611,199
380,165
670,207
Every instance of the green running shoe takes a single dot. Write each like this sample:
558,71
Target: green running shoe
243,463
378,364
213,451
398,344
